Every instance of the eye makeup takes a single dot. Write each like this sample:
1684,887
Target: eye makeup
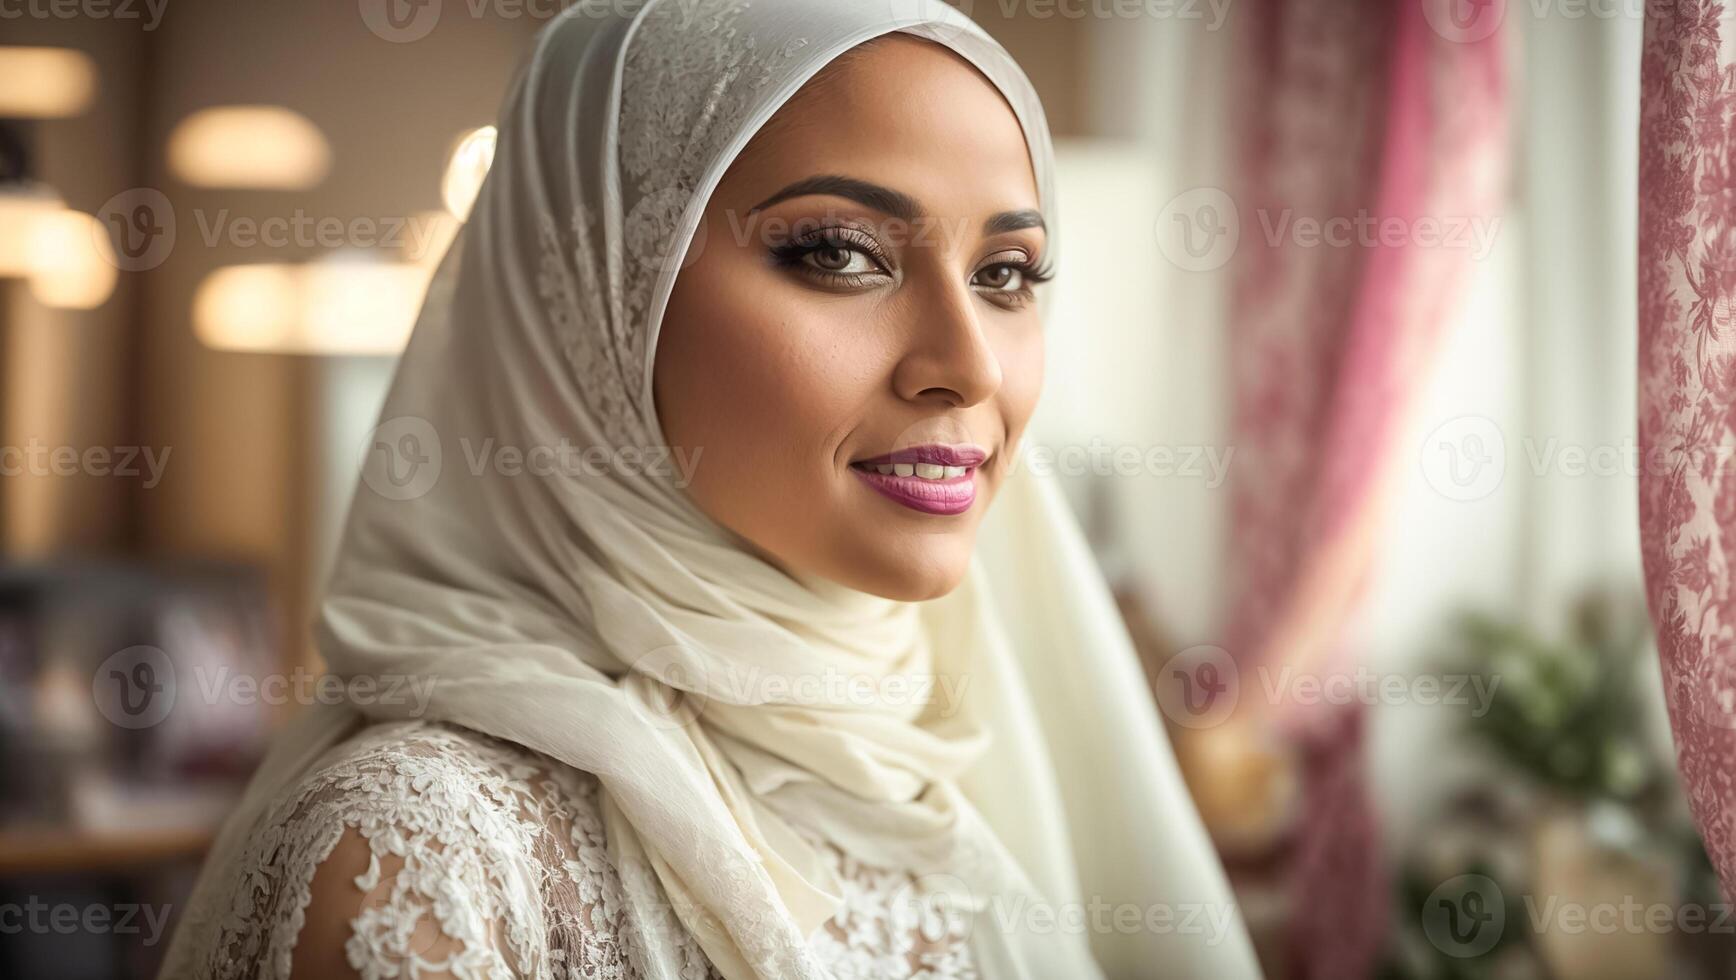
838,256
1015,278
846,257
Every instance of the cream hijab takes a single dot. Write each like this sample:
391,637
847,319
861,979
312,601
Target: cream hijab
999,742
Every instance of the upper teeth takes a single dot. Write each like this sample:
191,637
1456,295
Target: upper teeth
927,471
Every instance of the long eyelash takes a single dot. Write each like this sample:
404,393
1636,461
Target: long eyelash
792,253
1030,273
1037,273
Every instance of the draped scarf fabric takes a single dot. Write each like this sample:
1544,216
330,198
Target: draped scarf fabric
997,741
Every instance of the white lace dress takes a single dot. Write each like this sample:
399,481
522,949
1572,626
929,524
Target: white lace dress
475,857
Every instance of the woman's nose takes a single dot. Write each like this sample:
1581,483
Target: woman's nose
950,357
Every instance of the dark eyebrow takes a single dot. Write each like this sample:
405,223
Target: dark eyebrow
1013,221
883,199
887,201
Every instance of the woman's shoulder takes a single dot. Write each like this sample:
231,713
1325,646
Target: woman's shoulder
428,844
442,766
442,787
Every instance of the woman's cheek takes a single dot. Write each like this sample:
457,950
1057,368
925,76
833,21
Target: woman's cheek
1022,365
823,357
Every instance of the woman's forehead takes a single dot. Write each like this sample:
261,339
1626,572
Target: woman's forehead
902,112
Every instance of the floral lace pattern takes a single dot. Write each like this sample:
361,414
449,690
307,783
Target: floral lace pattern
672,133
571,307
487,860
602,265
1687,388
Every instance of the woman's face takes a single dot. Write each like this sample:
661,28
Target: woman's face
863,292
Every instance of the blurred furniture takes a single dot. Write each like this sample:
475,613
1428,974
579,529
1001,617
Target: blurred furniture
134,701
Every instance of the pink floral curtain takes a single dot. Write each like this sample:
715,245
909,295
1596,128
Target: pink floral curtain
1366,113
1687,394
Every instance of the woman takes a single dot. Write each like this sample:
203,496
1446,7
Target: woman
668,550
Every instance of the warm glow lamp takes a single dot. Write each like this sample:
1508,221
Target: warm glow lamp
260,147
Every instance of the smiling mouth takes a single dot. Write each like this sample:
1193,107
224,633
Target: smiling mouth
932,479
927,456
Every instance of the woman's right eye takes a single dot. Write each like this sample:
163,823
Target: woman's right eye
835,257
842,260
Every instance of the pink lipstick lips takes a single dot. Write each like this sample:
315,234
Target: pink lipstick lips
932,478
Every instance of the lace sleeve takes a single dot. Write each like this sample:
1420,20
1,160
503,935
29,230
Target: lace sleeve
421,850
427,851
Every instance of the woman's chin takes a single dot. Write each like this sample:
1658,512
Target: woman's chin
910,566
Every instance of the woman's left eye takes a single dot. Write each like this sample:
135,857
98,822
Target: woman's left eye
1011,281
1005,276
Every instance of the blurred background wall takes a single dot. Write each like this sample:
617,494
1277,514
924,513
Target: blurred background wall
203,527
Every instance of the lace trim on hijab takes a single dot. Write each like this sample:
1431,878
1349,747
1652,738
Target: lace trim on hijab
659,178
